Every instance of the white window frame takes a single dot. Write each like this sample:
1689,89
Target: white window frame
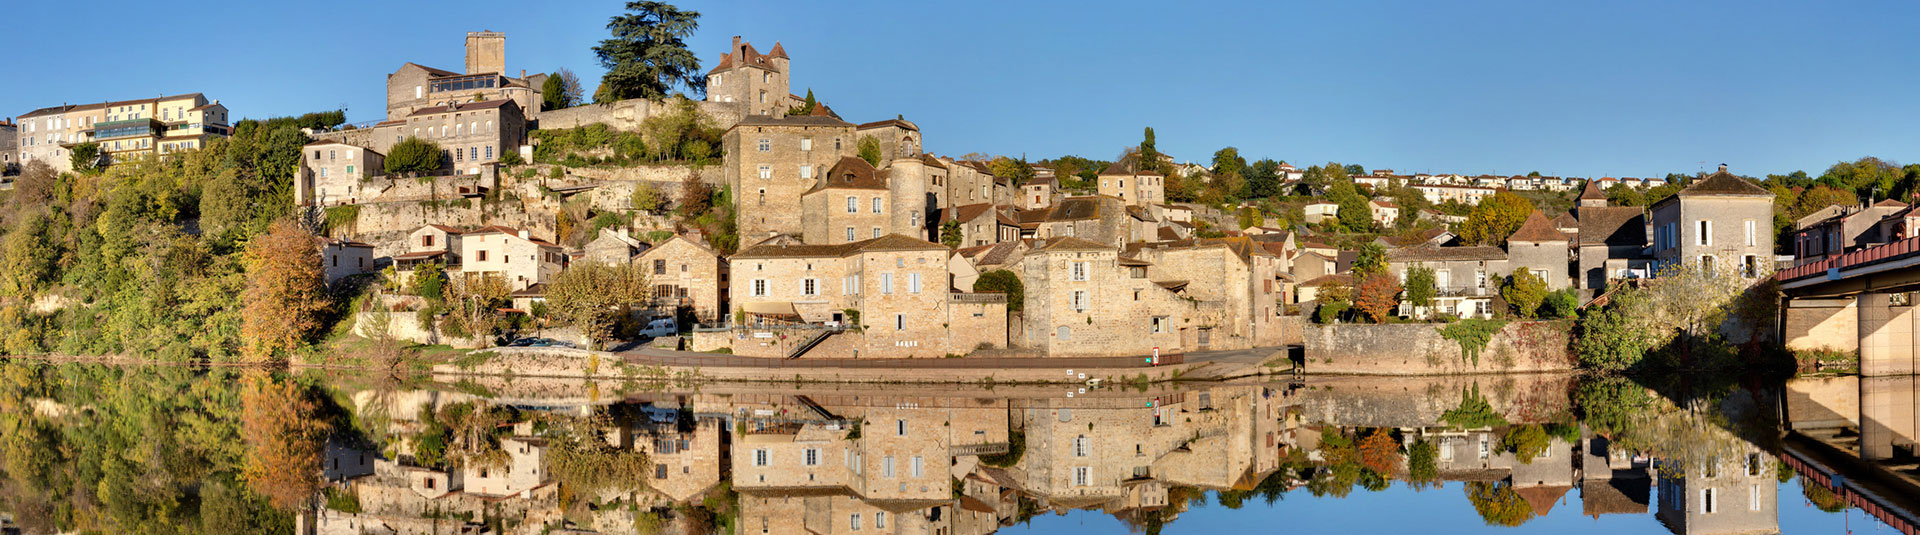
919,466
810,457
1750,233
1705,229
1079,301
886,466
913,283
760,287
1083,476
765,144
806,143
850,235
886,283
810,287
853,522
762,457
806,171
1078,271
876,205
899,322
853,204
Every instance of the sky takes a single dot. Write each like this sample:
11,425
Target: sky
1626,88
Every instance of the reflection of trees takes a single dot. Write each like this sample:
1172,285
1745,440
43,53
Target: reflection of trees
283,439
1498,504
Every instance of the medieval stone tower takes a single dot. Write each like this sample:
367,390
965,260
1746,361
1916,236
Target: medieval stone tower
486,52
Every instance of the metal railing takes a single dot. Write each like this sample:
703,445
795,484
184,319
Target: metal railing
1871,255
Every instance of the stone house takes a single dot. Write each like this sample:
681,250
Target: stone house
1384,213
414,86
1232,283
1466,279
1849,228
341,462
690,273
473,134
985,258
1721,224
898,137
1612,240
344,258
1716,494
1101,219
898,288
853,201
334,173
971,182
525,469
1542,249
430,243
757,81
1132,183
1038,193
1309,265
938,181
514,255
1084,299
614,247
772,161
9,147
981,224
686,453
1173,213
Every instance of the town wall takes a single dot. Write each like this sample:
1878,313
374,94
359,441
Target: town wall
1419,349
631,113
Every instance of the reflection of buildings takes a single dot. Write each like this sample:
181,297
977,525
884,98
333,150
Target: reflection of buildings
1835,423
1721,495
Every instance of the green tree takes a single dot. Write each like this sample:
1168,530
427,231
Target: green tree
1004,282
1420,286
1250,217
1495,218
1526,441
1228,161
29,257
1498,504
1370,260
1559,304
950,234
592,296
553,93
806,106
869,150
647,198
1263,179
85,157
1614,337
1149,154
1524,291
429,281
413,156
647,54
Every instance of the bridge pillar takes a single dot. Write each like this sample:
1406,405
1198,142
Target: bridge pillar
1887,344
1889,418
1821,324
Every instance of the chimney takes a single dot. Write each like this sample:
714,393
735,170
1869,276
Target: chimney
1723,168
524,235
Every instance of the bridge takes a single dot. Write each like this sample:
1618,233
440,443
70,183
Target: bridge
1861,301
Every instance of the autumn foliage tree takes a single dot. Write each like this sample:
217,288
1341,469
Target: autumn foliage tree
1524,291
286,291
284,441
1378,296
1380,452
593,297
1495,218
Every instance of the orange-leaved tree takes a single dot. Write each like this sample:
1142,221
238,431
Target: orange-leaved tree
284,440
1379,295
286,291
1380,452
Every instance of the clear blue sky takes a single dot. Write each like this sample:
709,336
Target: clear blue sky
1614,88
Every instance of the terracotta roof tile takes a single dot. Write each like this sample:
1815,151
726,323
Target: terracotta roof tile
1537,230
1612,225
851,173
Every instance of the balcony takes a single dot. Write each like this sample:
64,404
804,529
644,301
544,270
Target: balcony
126,129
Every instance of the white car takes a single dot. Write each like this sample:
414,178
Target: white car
660,327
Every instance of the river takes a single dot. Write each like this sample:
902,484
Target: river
185,450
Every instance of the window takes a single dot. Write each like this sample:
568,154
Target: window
810,287
806,143
849,233
806,171
899,428
1704,235
876,232
1709,501
1079,271
1079,300
760,287
1749,225
919,467
886,466
876,205
1706,265
853,522
659,267
1159,324
913,283
1753,497
1082,446
760,458
886,283
483,256
810,457
853,204
766,172
766,145
879,520
899,322
1082,476
1750,266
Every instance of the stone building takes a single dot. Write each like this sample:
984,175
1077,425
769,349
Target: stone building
1720,494
413,86
1084,299
1612,240
613,247
514,255
344,258
1039,193
334,173
980,224
898,137
1103,219
430,243
758,81
1132,183
9,147
852,201
1231,284
896,288
1721,224
686,453
473,134
772,161
690,273
124,130
972,182
1466,279
525,469
1542,249
1847,228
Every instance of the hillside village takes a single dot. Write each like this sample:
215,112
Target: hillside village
770,226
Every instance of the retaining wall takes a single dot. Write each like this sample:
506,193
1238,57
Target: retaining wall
1419,349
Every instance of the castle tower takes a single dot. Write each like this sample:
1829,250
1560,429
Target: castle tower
486,52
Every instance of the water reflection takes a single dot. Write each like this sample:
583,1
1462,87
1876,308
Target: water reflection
86,447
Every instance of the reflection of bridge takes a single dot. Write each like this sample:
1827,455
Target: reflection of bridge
1857,437
1857,301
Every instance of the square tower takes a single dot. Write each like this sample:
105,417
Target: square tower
486,52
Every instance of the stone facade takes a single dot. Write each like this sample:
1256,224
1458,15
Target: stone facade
1132,184
524,469
414,86
613,246
9,147
852,201
772,161
692,273
1721,224
757,81
1039,193
473,134
1082,299
1540,248
344,258
334,173
1233,285
514,255
1418,349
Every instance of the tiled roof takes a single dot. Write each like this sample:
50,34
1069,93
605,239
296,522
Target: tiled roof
1612,225
992,255
1722,183
447,229
496,103
1565,220
1071,243
1442,254
1324,280
899,122
890,242
1592,192
790,120
750,57
1141,213
932,161
510,231
1075,209
965,213
851,173
1128,165
1537,230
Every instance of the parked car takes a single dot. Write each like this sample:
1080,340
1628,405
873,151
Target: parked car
660,327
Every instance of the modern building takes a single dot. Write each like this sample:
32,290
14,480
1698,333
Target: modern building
124,129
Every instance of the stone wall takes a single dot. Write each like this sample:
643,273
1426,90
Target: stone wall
1419,349
629,114
1419,401
1822,324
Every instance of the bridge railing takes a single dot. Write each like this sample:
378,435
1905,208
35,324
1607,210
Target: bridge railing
1870,255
